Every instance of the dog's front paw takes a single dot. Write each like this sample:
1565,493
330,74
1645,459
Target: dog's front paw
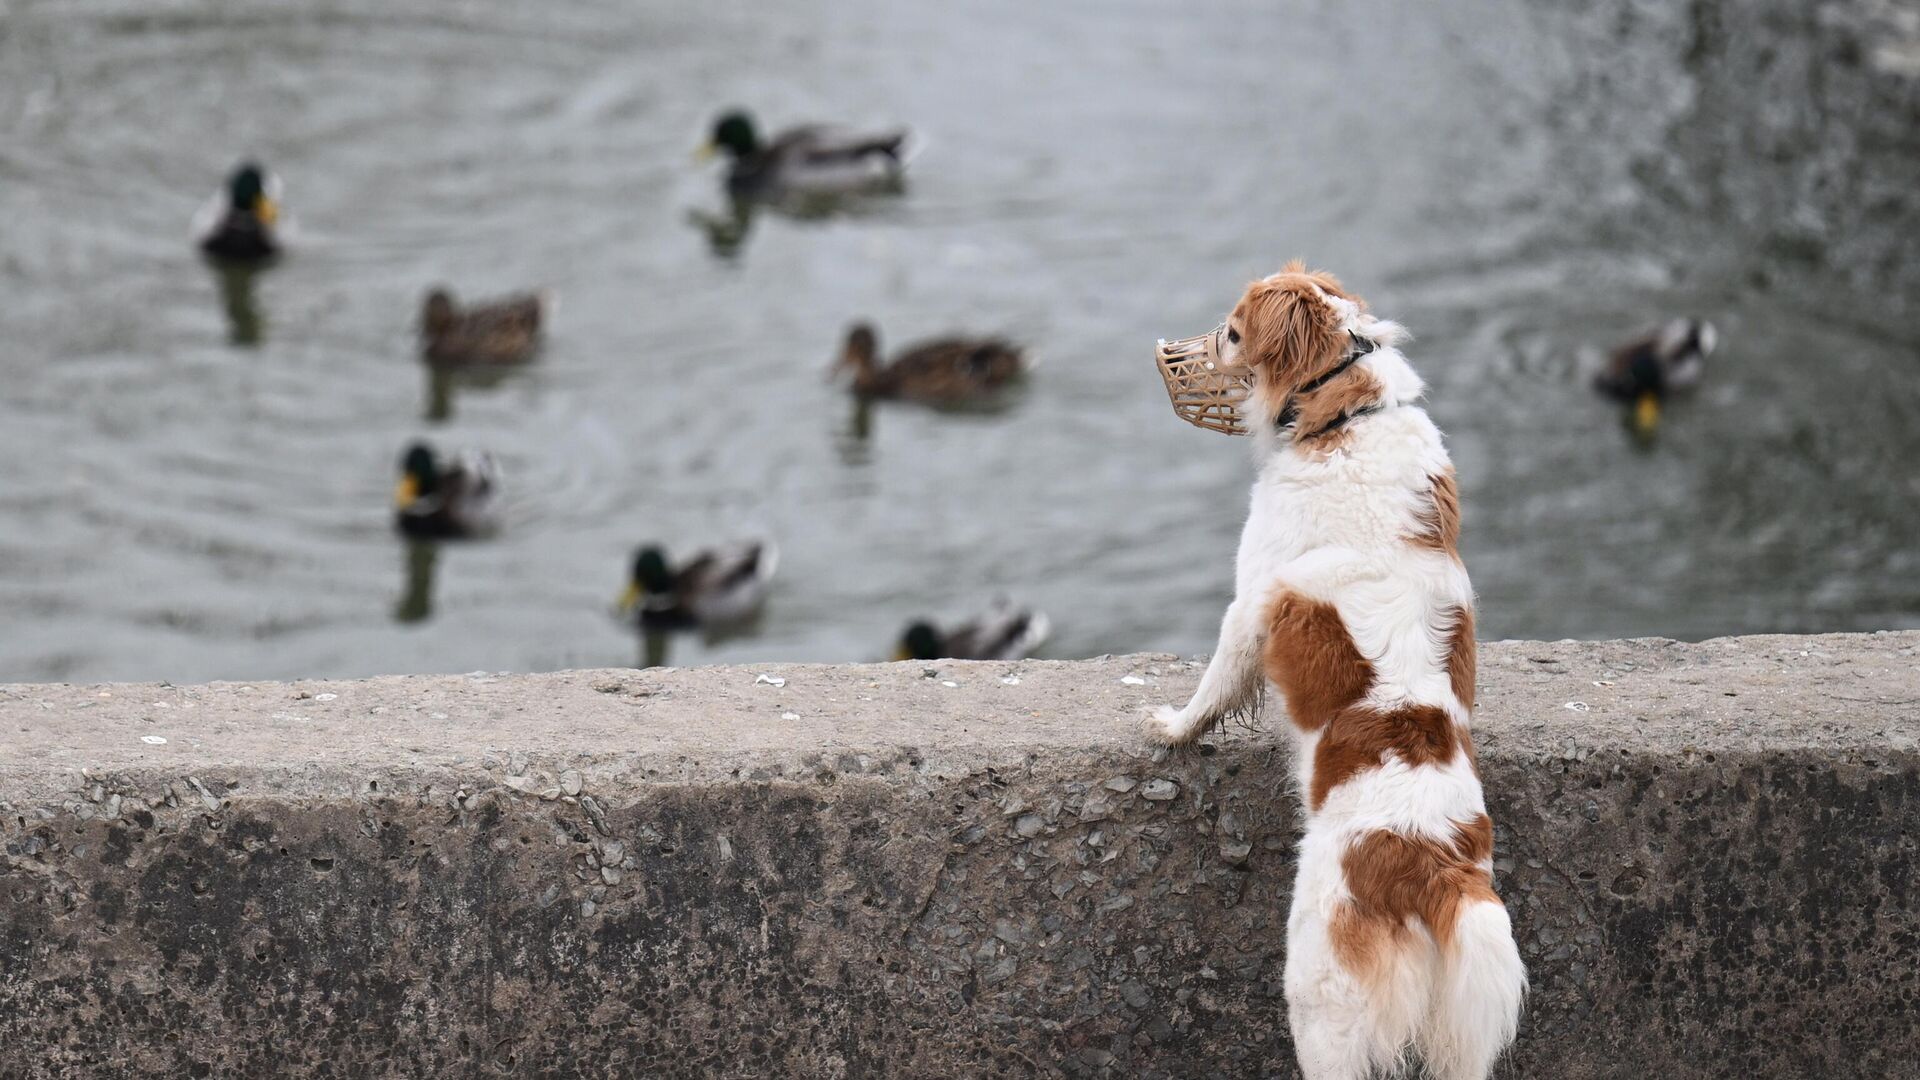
1168,726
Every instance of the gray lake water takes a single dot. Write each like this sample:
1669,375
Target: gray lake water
1517,183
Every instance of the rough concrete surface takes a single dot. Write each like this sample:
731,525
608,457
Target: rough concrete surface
923,870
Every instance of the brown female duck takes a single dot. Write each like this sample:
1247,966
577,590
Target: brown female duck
493,333
945,371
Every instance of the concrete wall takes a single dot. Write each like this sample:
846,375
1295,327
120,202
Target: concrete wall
970,869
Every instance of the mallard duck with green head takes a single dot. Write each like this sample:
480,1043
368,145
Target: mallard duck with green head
714,588
811,159
1002,633
241,222
950,370
492,333
446,500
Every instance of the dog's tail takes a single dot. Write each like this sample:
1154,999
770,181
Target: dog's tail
1477,992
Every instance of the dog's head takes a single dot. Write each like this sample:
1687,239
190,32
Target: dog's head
1291,328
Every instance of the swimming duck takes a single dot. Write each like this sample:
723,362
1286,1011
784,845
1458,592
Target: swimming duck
492,333
1003,633
716,587
239,223
1645,370
804,160
948,370
445,502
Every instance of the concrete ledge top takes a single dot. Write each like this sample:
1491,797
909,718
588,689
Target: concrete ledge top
1730,694
1706,849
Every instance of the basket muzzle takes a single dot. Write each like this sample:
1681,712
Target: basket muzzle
1205,391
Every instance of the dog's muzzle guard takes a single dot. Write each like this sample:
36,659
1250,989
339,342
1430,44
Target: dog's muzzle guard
1205,391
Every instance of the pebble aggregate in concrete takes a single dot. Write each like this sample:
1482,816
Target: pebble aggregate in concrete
1711,868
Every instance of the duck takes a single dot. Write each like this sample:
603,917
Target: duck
1644,371
240,223
949,370
446,501
717,587
494,333
811,159
1002,633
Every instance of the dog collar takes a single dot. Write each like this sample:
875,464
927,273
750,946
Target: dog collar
1343,419
1289,413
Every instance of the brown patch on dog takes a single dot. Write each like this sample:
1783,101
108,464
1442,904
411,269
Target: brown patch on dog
1440,518
1462,656
1394,878
1362,939
1289,334
1359,737
1354,390
1474,839
1312,659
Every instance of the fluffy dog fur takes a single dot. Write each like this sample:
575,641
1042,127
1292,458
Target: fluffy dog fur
1351,600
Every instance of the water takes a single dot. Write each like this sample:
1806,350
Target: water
1516,184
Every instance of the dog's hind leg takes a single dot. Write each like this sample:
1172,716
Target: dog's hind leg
1331,1042
1356,990
1346,1027
1231,683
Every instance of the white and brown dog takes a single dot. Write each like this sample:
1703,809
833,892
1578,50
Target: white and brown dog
1351,599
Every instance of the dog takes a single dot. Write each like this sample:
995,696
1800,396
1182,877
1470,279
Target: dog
1351,600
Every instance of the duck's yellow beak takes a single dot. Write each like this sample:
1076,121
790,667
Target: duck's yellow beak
631,598
901,652
266,210
406,491
705,153
1646,414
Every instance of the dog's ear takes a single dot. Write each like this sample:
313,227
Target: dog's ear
1327,282
1288,329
